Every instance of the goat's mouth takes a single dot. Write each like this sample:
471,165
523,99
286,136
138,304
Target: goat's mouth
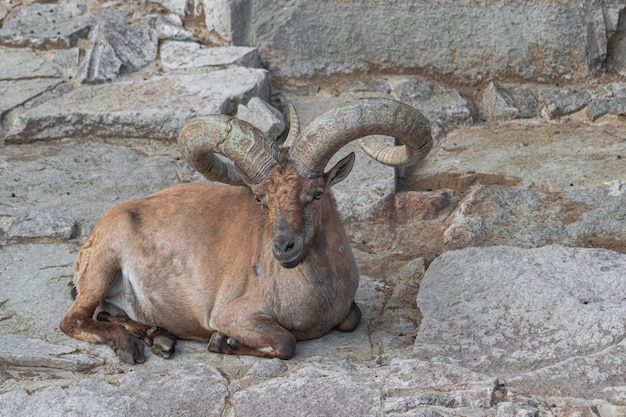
291,263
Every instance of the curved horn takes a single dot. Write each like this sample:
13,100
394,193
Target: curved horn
294,127
251,152
355,120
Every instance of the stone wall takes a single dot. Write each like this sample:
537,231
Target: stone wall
470,40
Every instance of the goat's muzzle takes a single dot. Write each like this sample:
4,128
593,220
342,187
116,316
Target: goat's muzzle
288,249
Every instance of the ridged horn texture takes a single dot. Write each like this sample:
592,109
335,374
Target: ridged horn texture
252,154
353,120
294,127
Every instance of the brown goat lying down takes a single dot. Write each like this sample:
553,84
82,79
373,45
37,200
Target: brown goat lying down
251,267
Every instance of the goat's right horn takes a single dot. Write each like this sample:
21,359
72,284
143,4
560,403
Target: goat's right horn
358,119
251,152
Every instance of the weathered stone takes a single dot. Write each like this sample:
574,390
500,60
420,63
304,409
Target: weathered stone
601,107
413,384
344,393
19,350
17,65
16,92
508,409
67,58
436,102
175,6
191,56
156,108
262,115
60,192
616,48
117,49
500,102
546,157
497,215
55,25
168,27
561,102
47,25
548,39
367,86
268,368
495,310
197,390
596,374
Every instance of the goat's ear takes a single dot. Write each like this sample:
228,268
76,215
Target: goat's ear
340,171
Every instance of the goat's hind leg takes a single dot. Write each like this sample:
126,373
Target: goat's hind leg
93,281
160,340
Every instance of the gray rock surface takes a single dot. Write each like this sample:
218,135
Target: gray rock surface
193,391
522,313
501,102
54,25
191,56
117,49
437,102
533,40
155,108
262,115
43,192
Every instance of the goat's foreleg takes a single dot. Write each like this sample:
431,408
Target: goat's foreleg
251,333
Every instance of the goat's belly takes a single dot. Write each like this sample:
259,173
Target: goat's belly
153,308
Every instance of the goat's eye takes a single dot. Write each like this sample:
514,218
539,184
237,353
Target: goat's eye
318,195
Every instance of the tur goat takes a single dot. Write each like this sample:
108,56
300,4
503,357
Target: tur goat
252,266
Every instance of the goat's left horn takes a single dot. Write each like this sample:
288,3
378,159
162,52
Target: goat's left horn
358,119
252,153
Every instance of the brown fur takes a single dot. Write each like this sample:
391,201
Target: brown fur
199,259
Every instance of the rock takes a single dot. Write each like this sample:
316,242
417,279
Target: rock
16,92
436,102
156,108
545,157
262,115
16,65
367,86
19,350
500,102
268,368
344,393
548,40
197,390
562,102
510,311
175,6
54,25
415,385
616,53
599,108
594,375
61,191
67,58
47,26
117,49
168,27
191,56
497,215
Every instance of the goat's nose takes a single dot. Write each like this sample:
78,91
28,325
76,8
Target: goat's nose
283,244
